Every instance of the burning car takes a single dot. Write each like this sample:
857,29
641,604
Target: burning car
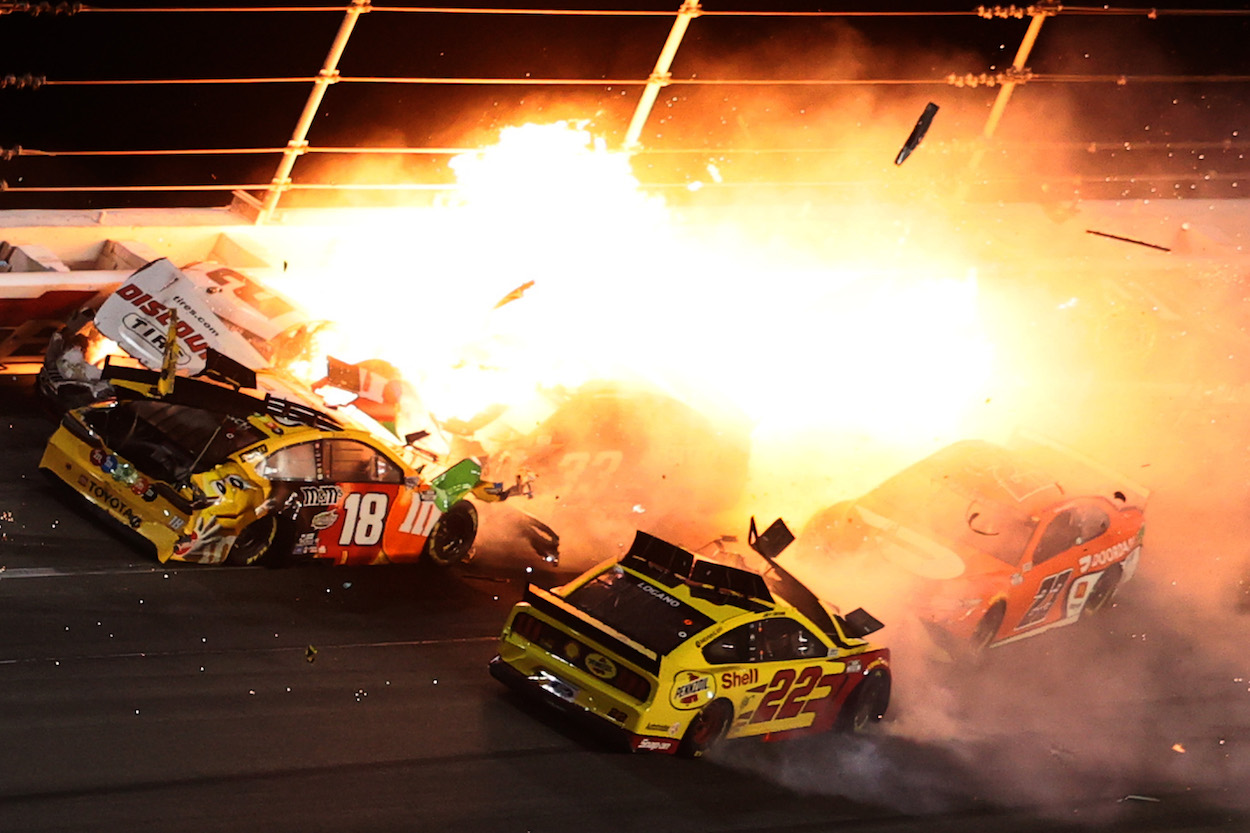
209,474
672,653
994,548
607,455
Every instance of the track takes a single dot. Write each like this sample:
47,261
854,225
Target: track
134,697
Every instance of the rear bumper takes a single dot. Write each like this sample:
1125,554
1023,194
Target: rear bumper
604,729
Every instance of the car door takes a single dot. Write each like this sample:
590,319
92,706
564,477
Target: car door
781,679
338,495
1075,530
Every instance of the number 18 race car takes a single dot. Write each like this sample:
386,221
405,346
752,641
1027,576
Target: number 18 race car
210,474
671,653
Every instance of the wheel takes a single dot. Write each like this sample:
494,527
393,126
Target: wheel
252,544
706,729
1104,589
988,627
867,705
453,535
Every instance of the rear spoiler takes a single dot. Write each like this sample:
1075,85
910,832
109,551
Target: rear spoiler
1098,478
770,543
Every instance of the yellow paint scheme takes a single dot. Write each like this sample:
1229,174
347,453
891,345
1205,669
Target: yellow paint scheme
801,693
210,510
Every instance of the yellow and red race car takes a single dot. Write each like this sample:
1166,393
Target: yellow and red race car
209,474
986,547
672,653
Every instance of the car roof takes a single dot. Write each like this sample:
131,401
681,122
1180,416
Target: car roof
978,470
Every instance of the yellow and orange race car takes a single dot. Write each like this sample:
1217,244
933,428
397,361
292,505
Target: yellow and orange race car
984,545
208,474
673,653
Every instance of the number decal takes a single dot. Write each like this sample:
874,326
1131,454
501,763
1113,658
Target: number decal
777,688
422,515
808,678
600,466
366,518
1047,594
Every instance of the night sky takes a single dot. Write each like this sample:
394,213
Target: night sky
1185,139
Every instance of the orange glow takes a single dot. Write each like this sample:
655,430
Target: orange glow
806,348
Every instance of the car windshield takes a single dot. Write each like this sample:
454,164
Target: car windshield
647,613
169,442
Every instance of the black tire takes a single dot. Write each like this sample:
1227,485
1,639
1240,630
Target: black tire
707,729
252,545
453,535
988,627
1100,597
867,704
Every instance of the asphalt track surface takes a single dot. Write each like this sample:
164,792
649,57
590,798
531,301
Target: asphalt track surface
135,697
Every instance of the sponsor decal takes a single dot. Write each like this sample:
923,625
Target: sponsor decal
715,632
108,499
186,331
254,454
659,594
600,666
1104,557
320,495
733,679
854,666
691,688
324,520
97,457
655,744
176,523
306,545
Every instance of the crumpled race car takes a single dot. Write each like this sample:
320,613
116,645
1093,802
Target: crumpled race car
666,652
990,548
210,474
608,457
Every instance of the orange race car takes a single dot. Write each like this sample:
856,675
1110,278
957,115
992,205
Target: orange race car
985,547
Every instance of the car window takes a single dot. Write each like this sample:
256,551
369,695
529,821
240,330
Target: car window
295,462
349,461
785,639
1062,533
643,611
730,647
1091,521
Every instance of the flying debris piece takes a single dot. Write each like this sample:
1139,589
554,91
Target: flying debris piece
1140,798
917,132
1176,747
514,294
310,654
1128,240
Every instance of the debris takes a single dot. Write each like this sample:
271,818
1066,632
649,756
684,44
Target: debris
917,132
310,653
514,294
1176,747
1128,240
1140,798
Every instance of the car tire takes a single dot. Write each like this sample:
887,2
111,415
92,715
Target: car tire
988,627
867,704
453,535
706,729
252,545
1100,597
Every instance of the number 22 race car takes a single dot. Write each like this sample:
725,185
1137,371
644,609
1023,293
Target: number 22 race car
670,653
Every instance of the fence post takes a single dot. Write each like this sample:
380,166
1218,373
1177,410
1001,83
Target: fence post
660,75
299,139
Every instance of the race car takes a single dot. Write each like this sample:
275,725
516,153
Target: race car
607,456
210,474
986,547
667,652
